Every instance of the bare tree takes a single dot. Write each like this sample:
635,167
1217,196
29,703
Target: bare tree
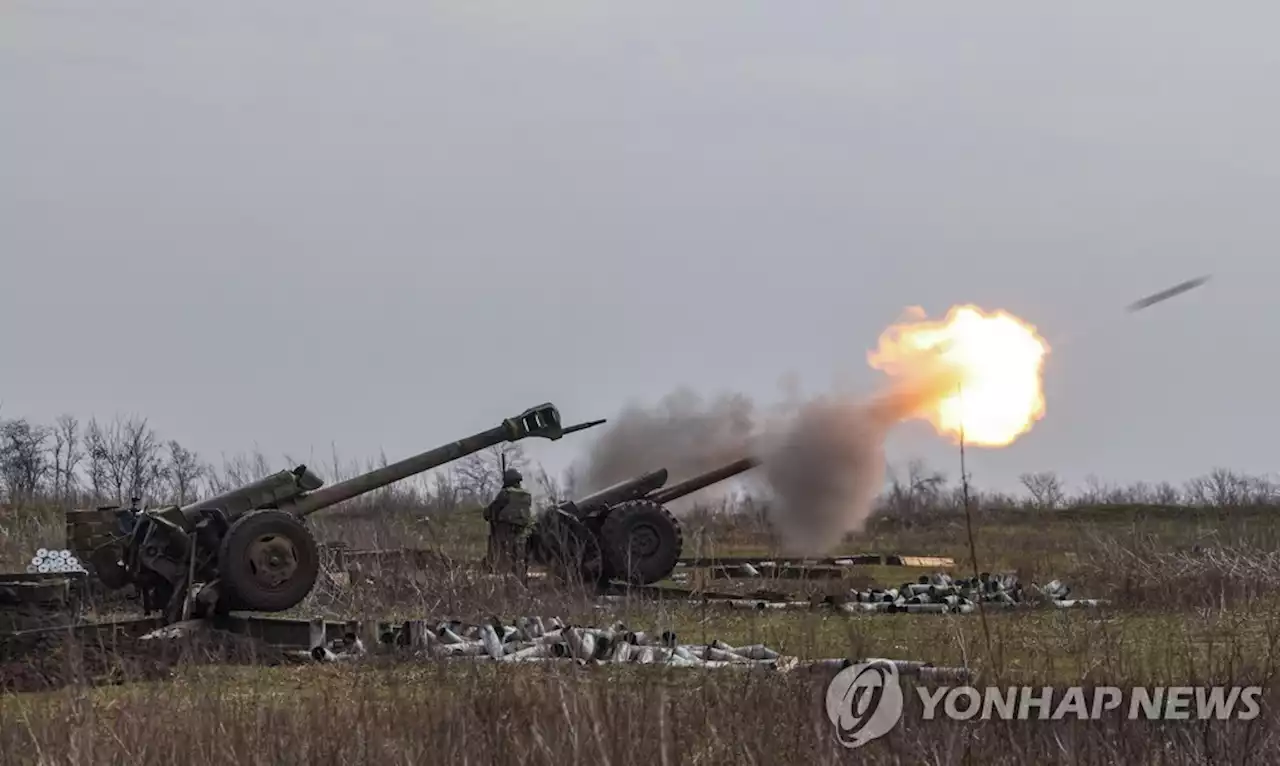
96,451
445,495
1045,488
1221,488
67,454
1262,490
115,456
1098,492
111,452
24,461
1165,493
922,489
1138,492
143,458
479,475
128,454
184,470
555,491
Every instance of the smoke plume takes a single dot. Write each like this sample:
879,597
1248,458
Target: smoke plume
822,462
825,470
825,467
684,433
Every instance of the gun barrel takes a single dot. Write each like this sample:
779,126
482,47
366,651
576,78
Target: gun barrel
624,490
689,486
389,474
263,493
584,426
292,491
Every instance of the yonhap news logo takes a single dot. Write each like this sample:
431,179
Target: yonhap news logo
866,701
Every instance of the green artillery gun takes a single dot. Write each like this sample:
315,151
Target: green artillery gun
621,532
249,549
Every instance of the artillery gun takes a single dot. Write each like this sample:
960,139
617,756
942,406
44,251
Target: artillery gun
623,531
249,549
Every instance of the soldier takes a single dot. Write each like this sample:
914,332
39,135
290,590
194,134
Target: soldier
510,517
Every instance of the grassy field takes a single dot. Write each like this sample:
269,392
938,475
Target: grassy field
1195,599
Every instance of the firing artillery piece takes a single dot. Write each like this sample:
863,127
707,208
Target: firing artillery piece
249,549
621,532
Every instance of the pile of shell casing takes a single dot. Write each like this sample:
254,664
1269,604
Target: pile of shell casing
46,561
531,639
941,593
931,594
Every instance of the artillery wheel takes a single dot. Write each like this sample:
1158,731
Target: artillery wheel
268,561
642,540
568,548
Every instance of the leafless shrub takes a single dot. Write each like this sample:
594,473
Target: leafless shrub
1144,571
479,475
920,491
1223,488
1045,488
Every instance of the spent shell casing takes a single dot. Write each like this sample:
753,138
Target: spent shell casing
537,651
449,637
492,644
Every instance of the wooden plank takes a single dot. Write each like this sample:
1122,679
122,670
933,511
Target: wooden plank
927,561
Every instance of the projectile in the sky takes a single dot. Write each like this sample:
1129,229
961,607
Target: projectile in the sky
1165,295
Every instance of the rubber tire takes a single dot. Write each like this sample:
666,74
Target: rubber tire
240,590
568,548
622,520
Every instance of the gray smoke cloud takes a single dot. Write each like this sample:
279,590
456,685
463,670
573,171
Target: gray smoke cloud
824,470
684,432
825,467
822,459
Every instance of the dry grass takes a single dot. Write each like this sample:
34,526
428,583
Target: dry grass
24,531
1197,602
454,712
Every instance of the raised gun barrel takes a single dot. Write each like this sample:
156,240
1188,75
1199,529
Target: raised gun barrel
623,531
249,548
701,481
302,492
541,421
631,489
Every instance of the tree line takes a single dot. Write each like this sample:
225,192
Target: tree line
73,463
70,463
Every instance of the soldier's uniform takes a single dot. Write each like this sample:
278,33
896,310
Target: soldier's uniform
510,518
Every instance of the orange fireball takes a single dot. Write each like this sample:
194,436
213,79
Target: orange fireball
975,374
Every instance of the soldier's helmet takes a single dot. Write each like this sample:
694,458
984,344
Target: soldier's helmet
511,477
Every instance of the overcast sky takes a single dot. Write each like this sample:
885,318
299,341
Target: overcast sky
387,225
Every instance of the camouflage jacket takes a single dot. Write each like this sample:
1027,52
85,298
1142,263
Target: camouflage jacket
513,505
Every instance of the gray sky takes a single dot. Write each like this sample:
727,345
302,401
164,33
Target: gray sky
387,225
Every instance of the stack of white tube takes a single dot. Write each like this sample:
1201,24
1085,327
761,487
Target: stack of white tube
47,561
